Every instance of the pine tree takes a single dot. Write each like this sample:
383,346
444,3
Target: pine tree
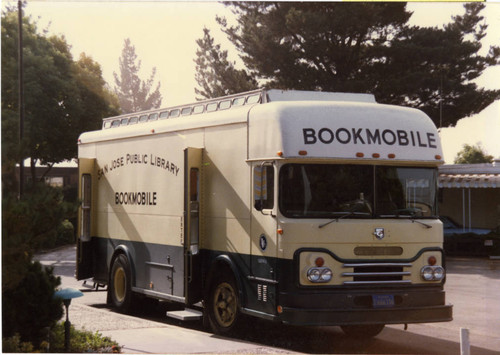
133,93
361,47
215,75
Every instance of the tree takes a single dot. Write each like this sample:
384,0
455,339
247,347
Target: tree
367,48
472,154
432,69
215,74
133,93
63,98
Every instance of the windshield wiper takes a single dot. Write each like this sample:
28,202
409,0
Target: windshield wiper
414,219
344,215
412,216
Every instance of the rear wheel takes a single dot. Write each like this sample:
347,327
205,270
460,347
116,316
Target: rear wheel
363,331
120,285
223,304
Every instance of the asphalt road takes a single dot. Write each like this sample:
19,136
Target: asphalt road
473,287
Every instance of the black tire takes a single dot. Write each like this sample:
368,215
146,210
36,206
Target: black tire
223,306
120,284
363,331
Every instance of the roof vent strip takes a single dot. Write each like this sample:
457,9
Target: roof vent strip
212,105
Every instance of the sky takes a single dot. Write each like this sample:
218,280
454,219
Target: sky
164,35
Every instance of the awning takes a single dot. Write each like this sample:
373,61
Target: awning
469,181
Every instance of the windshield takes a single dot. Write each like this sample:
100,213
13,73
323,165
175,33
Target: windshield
356,191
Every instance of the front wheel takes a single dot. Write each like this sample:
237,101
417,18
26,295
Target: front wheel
223,305
120,284
363,331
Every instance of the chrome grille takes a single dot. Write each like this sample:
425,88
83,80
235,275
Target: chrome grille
377,273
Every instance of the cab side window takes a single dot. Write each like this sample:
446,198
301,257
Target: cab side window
263,185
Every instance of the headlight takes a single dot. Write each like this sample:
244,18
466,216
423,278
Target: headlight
326,275
319,274
438,273
432,273
313,274
427,273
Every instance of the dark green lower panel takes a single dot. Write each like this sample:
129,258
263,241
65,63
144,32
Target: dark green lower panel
266,283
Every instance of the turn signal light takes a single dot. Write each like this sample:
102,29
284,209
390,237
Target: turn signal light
319,262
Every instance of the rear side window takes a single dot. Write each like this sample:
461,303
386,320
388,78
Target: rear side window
86,196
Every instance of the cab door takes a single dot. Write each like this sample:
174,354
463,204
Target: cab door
86,219
264,241
192,230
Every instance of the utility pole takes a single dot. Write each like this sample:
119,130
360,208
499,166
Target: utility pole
21,97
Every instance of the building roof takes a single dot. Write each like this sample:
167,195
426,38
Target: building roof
472,176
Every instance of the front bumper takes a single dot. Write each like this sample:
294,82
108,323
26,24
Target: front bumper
350,308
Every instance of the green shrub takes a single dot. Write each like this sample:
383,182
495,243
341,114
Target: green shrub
14,344
65,233
30,308
29,225
82,341
34,222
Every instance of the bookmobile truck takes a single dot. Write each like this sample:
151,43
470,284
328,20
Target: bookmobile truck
306,208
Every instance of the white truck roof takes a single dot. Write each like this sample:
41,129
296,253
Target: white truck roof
299,124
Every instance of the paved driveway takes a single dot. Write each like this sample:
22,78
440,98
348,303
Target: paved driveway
473,287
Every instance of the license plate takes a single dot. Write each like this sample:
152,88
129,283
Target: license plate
382,301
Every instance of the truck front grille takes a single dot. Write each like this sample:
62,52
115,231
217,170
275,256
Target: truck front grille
377,273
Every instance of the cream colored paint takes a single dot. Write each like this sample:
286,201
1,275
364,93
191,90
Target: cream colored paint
231,147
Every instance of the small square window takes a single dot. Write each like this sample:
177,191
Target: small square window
163,115
143,118
175,113
124,122
198,109
153,117
224,105
253,99
186,111
239,101
212,107
133,120
115,123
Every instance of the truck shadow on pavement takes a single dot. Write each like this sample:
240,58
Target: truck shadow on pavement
313,340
